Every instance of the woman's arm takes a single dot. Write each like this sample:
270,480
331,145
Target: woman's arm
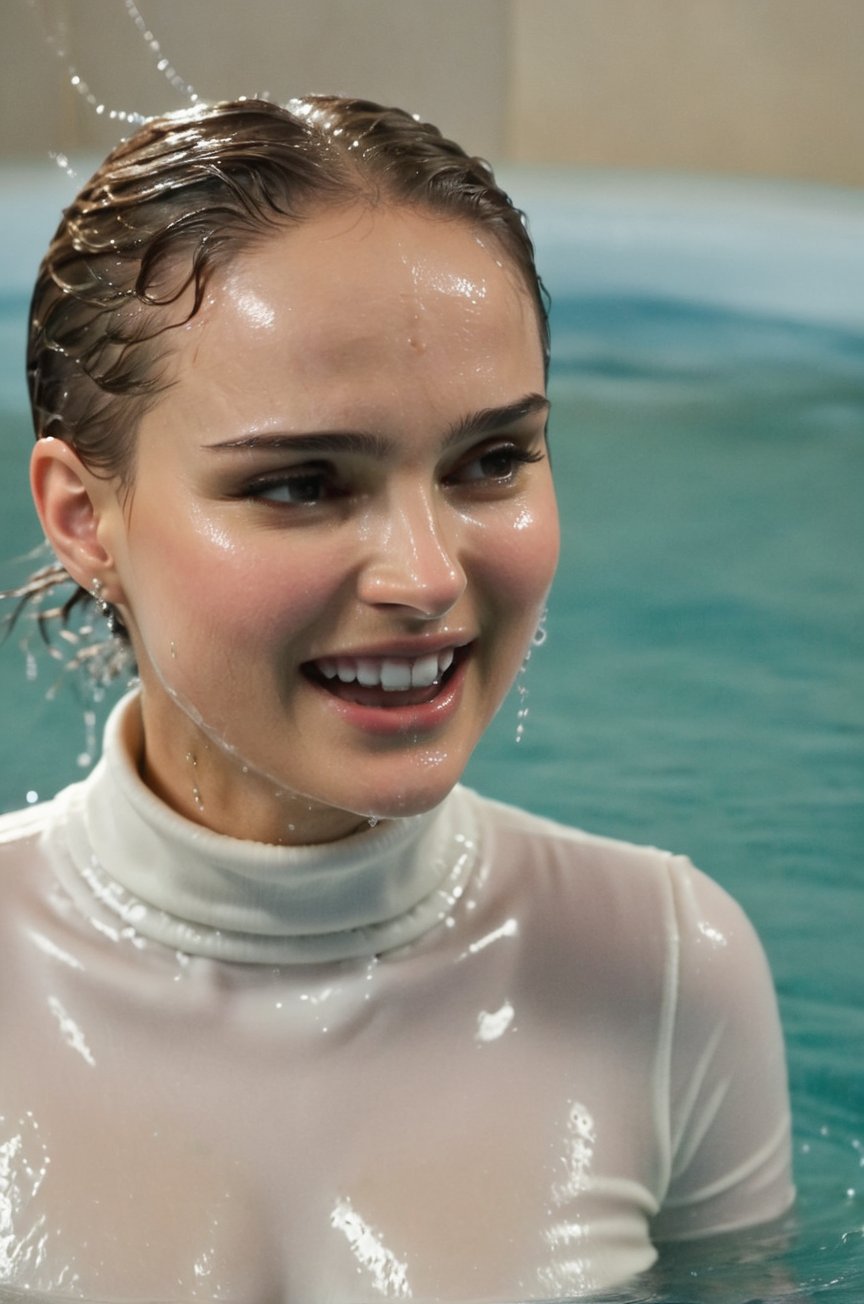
730,1153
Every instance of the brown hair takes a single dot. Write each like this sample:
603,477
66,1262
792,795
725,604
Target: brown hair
183,197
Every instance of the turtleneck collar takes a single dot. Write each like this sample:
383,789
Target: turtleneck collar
202,893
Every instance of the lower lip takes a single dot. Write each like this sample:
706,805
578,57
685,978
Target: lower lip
391,721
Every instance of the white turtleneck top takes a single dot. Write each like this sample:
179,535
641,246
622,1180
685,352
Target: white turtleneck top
473,1055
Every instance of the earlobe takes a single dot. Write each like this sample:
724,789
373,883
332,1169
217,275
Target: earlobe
72,503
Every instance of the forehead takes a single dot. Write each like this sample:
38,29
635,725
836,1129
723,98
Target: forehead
345,275
364,315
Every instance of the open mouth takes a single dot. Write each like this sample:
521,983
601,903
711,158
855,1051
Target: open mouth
387,681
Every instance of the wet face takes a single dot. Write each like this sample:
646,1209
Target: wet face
342,526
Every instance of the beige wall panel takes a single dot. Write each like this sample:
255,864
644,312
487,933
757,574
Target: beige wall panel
31,91
759,86
444,59
755,86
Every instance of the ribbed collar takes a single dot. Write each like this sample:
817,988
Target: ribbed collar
202,893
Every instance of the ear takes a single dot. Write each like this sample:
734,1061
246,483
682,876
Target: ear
77,510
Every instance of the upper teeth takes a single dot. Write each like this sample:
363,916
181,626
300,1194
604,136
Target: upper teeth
393,674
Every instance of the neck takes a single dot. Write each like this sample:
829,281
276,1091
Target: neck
131,858
207,784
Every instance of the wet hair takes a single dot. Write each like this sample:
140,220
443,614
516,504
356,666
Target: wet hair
180,200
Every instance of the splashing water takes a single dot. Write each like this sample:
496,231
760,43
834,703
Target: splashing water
522,710
169,72
88,755
57,41
31,666
538,638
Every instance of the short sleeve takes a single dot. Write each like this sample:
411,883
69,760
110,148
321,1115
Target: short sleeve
729,1119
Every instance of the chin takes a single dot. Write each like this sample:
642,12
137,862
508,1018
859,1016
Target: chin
405,801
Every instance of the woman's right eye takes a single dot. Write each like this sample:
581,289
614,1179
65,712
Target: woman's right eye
305,487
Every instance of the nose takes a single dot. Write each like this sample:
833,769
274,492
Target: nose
413,560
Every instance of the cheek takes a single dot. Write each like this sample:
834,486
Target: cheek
520,560
224,603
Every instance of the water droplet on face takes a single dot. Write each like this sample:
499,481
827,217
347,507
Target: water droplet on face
173,649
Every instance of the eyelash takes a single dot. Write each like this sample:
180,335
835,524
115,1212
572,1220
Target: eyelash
308,475
319,474
515,455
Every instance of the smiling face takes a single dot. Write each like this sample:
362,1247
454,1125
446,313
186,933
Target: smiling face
342,527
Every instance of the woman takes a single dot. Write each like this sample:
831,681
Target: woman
294,1016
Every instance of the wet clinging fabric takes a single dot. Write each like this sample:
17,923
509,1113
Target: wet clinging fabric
469,1055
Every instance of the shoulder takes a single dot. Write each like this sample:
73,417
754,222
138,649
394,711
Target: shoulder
719,975
22,826
23,856
27,836
606,900
698,902
650,893
716,939
546,843
25,874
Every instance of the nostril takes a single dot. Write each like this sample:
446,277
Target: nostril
428,595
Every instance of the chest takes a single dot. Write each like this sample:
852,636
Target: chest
372,1133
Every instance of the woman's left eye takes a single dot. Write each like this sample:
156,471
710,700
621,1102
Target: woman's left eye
498,465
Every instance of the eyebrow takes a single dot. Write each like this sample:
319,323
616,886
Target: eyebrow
486,421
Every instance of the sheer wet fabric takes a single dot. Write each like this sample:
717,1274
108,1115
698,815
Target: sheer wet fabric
469,1056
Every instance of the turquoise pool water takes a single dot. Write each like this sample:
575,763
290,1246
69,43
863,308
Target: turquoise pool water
701,686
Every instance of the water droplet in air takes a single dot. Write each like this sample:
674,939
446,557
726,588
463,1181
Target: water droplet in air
522,712
85,757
